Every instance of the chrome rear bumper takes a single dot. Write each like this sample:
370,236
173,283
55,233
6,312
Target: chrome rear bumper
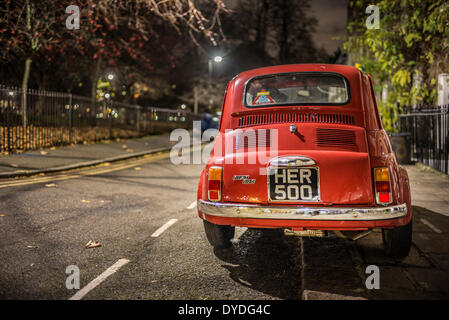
237,210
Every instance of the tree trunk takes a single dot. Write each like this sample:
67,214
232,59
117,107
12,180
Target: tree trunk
26,76
195,99
261,28
93,91
284,33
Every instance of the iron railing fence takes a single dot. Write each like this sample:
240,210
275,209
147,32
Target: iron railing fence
37,119
429,129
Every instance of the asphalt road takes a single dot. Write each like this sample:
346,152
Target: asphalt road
46,221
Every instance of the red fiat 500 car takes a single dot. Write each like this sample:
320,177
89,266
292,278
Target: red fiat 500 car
302,148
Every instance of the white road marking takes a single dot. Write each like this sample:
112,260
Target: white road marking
431,226
192,205
239,231
111,270
159,231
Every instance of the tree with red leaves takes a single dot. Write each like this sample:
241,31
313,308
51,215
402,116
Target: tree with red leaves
112,32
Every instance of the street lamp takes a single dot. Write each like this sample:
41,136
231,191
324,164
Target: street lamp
110,76
216,59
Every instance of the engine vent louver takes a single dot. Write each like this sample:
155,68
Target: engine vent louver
283,117
253,138
336,138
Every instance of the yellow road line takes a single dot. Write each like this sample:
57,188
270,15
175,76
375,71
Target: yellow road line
85,172
91,171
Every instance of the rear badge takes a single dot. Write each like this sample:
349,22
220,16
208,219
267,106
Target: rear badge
244,178
236,178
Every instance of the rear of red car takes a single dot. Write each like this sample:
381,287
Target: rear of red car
301,147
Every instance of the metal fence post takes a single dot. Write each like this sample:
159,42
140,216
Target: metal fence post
8,124
109,111
70,118
138,121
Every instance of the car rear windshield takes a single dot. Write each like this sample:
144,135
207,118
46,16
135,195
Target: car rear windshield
297,89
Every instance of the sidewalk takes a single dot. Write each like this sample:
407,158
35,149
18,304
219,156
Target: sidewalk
430,189
80,155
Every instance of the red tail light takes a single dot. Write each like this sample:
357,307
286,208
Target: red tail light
382,185
215,179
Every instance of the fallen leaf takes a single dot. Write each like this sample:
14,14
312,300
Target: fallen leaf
43,152
50,185
92,244
129,150
53,148
107,164
33,247
124,146
14,165
85,201
2,215
137,168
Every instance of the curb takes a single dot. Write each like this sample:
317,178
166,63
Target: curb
26,173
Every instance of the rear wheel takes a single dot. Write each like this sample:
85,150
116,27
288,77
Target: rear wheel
397,241
218,236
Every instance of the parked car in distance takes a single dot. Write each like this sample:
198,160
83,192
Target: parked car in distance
209,121
302,148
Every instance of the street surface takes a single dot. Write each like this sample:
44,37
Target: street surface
47,220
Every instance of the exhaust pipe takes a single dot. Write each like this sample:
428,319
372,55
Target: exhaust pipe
353,235
306,233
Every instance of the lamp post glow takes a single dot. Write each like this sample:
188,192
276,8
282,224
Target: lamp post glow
110,76
216,59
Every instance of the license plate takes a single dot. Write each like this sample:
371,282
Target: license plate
293,184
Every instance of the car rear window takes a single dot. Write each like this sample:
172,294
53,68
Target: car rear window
297,89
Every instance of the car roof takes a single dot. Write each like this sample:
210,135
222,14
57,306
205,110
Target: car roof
312,67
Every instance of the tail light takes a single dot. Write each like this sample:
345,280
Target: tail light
382,185
215,179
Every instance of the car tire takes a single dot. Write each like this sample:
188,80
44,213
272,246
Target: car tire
397,241
217,235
